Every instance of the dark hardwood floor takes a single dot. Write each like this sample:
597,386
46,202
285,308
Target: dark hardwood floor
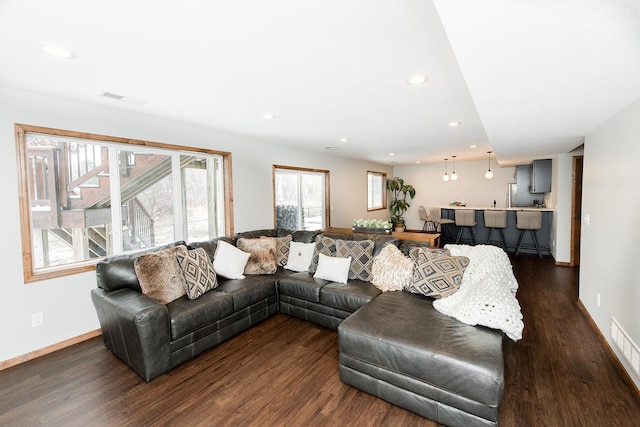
284,371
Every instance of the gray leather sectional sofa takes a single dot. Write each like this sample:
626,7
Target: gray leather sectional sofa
394,345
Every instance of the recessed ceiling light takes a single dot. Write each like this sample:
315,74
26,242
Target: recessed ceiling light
344,139
123,98
392,154
473,146
417,80
418,162
57,50
454,124
268,116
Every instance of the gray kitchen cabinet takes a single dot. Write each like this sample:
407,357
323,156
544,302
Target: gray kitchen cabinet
520,195
540,176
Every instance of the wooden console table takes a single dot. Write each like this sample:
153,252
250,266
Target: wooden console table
432,238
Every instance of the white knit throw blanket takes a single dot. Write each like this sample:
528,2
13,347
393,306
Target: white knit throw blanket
487,294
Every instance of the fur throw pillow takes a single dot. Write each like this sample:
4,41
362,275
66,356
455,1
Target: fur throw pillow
391,270
160,275
263,255
282,248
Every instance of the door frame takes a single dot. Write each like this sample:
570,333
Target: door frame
576,209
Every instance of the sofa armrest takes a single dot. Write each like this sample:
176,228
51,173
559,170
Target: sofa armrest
136,329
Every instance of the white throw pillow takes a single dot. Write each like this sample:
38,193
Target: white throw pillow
332,268
300,255
230,261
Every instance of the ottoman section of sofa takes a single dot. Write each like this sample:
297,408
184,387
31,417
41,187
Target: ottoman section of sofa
399,348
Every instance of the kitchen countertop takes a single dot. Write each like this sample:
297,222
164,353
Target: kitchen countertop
487,208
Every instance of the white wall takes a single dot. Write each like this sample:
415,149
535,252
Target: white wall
471,186
65,302
610,250
560,200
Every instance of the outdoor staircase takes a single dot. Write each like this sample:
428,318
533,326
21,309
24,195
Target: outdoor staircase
83,200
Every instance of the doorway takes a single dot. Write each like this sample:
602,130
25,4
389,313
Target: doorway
576,209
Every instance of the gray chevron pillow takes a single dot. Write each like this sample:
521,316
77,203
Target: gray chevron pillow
199,275
436,274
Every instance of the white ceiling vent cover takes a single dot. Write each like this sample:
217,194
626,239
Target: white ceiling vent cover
123,98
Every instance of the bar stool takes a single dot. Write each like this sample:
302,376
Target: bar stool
428,226
532,221
496,219
436,217
466,218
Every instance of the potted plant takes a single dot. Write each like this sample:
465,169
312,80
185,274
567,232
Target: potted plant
402,194
375,226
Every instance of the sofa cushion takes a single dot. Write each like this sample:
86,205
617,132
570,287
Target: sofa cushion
230,261
263,255
160,275
117,272
248,291
256,234
210,246
391,270
187,316
304,236
361,254
436,274
199,275
301,285
348,296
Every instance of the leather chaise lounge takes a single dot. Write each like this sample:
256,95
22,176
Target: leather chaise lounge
399,348
393,345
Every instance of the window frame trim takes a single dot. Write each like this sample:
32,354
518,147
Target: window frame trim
46,273
327,189
384,192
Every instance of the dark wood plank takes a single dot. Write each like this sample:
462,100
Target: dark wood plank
284,371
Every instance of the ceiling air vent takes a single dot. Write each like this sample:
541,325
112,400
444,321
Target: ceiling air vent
123,98
111,95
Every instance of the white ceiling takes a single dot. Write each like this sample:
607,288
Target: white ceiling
525,79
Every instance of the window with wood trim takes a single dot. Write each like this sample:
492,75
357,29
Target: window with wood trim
376,191
85,196
301,198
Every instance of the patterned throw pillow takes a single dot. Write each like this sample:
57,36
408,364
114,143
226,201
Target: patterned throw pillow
198,271
361,253
263,255
391,269
324,245
160,276
436,274
282,248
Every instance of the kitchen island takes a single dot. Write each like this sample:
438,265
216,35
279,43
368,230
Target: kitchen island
511,233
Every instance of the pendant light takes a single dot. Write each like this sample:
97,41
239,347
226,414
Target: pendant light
453,174
489,174
445,177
